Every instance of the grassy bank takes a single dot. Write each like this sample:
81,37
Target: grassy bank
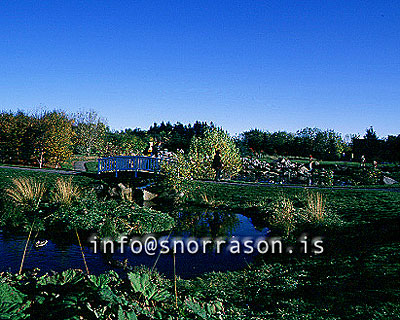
68,202
356,277
353,205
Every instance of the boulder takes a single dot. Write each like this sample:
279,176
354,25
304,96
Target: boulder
387,180
147,196
126,193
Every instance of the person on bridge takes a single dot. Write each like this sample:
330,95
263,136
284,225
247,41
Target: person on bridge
217,165
150,149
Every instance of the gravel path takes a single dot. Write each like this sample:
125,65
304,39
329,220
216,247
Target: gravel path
41,170
394,189
80,166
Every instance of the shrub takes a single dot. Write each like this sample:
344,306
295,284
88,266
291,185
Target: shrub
202,151
177,176
316,207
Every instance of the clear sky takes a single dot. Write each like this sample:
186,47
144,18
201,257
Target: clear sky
274,65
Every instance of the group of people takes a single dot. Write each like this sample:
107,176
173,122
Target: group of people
363,162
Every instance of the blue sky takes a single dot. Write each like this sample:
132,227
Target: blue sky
274,65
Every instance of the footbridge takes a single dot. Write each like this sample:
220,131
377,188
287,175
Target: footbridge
129,163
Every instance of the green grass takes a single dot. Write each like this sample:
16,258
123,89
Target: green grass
6,176
91,166
356,278
351,204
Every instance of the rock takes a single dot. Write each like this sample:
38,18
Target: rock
113,192
126,193
387,180
147,196
303,170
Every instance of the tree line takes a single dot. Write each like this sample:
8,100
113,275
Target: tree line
52,137
322,144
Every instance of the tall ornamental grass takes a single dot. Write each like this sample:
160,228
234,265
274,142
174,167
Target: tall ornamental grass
26,191
316,207
65,192
284,215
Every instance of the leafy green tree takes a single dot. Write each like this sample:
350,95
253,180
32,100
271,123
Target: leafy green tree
128,142
328,145
253,139
178,136
370,134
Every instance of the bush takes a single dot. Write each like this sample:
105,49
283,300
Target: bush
288,214
316,207
202,151
177,175
65,192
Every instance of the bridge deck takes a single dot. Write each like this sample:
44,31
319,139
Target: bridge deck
128,163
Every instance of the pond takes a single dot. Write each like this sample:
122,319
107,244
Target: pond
63,252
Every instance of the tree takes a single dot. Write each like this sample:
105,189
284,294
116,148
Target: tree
15,136
370,134
53,137
253,139
90,132
328,145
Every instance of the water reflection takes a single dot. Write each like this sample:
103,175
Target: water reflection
206,224
63,252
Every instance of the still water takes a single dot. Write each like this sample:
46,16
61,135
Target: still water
62,253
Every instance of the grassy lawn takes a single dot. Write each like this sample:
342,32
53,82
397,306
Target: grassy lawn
6,176
353,205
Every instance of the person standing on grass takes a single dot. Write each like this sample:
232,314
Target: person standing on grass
217,165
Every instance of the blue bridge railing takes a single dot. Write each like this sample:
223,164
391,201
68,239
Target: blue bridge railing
128,163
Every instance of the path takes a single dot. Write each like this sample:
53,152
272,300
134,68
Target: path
256,184
41,170
80,166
